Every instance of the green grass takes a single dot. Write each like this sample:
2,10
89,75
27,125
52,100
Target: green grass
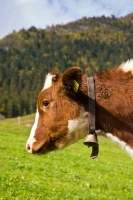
62,175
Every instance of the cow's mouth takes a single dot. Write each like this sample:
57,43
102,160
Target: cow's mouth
44,149
41,150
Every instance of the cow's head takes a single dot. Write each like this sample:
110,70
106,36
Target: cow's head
62,116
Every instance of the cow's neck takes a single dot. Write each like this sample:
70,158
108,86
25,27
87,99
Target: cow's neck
114,108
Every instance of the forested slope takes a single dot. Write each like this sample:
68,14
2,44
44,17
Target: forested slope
94,44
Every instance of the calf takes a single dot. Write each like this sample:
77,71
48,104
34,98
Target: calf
62,115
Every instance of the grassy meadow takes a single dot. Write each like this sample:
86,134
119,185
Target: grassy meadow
62,175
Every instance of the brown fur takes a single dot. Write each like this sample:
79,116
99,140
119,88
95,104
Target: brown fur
114,103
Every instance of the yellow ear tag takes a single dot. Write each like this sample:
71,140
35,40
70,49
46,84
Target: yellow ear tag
75,85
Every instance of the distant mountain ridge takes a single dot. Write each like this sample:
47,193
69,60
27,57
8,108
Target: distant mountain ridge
128,18
94,44
79,25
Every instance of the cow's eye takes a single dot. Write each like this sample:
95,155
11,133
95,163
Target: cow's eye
45,103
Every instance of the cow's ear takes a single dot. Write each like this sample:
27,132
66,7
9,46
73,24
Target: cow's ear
72,79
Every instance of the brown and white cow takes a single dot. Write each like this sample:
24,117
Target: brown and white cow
62,109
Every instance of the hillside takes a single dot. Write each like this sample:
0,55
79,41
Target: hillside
94,44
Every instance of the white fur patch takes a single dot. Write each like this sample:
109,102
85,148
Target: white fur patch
31,138
127,66
48,81
122,144
32,133
78,128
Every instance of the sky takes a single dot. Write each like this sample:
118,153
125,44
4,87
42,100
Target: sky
18,14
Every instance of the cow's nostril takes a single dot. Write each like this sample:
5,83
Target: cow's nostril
28,147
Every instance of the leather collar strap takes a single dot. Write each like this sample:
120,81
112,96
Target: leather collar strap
91,140
91,94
